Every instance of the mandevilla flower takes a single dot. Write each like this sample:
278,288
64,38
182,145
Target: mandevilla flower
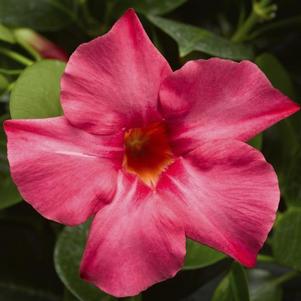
155,155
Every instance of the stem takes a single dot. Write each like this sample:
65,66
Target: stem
73,17
262,10
86,12
106,20
10,87
64,10
16,56
92,23
245,28
31,51
286,277
35,294
265,258
276,25
242,15
10,72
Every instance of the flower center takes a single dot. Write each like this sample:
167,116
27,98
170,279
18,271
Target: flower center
147,152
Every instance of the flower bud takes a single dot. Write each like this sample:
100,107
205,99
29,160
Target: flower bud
45,48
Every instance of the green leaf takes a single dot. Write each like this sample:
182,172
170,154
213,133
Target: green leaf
36,93
67,257
44,15
281,80
234,287
153,7
223,291
68,296
286,240
190,38
284,136
239,283
263,287
292,181
276,73
9,194
256,141
199,256
6,34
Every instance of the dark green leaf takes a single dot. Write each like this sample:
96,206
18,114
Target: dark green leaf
190,38
284,136
276,73
292,181
286,241
44,15
68,296
9,194
256,142
68,253
234,287
6,34
263,287
223,291
3,83
36,92
199,256
154,7
239,283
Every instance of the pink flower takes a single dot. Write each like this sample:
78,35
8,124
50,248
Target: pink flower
43,46
155,155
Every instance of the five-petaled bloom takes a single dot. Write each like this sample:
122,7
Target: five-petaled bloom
155,155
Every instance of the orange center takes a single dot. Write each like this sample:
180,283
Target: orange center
147,153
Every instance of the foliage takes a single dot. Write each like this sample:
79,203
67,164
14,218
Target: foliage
182,30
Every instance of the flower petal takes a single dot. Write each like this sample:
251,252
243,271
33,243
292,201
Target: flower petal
134,242
64,173
113,81
220,99
226,195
